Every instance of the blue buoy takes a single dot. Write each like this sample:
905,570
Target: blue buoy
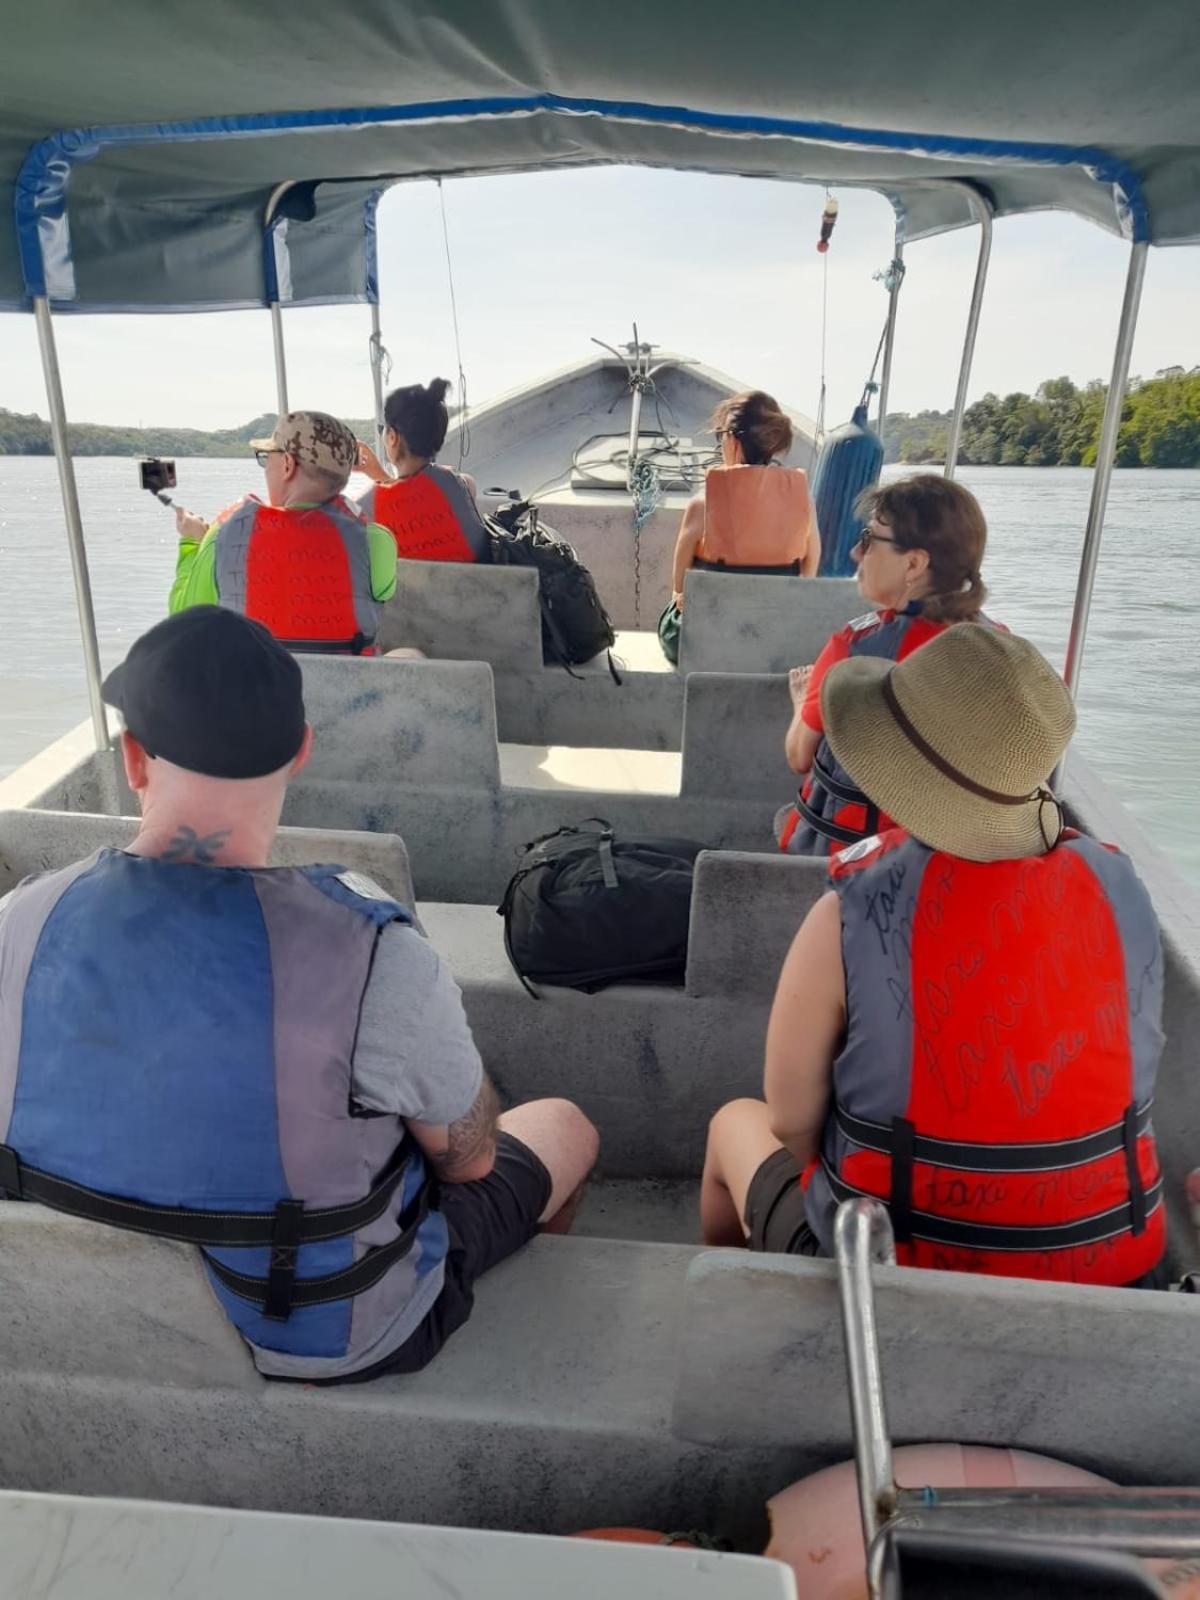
849,462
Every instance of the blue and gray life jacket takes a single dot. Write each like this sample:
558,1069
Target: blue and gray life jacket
176,1048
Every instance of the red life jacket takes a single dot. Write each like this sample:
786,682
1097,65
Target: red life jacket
303,573
432,516
996,1082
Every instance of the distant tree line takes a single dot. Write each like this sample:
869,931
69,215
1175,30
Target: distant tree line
1059,426
27,435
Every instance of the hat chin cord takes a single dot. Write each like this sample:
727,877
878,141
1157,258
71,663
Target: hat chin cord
1047,797
1042,794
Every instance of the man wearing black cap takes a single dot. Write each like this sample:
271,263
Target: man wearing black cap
270,1063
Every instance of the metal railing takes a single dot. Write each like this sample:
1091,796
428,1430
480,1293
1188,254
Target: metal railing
1142,1522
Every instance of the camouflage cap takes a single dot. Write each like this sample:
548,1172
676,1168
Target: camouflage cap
315,438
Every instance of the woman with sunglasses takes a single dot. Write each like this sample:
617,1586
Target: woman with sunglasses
755,515
918,561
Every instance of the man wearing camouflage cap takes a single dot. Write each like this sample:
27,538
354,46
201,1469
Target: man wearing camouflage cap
305,563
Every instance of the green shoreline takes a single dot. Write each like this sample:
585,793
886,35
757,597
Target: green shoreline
1057,426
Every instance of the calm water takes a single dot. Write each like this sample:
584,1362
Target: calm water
1139,710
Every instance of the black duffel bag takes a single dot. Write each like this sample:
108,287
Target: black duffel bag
585,909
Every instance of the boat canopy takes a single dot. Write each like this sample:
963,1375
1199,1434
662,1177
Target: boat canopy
163,156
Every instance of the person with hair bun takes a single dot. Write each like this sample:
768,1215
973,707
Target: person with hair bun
918,562
429,510
754,516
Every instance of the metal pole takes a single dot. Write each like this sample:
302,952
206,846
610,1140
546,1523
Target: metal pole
273,291
376,347
1106,452
862,1233
983,213
70,500
889,338
281,394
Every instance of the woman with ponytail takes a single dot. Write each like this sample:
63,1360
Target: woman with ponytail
918,561
430,510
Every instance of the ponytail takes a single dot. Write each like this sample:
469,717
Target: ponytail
958,605
419,415
931,513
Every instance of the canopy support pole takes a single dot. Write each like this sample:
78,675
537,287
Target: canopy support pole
377,376
1106,451
70,500
983,213
889,337
281,392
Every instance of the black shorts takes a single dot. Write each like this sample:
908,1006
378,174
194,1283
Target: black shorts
775,1209
487,1221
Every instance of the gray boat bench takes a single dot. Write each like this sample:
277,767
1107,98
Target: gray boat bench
736,624
599,1382
43,841
411,748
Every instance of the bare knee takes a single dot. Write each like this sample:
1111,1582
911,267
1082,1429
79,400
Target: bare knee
562,1137
735,1119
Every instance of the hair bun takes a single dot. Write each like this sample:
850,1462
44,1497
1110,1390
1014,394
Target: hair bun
439,389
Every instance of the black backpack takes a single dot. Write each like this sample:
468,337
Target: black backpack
585,909
575,625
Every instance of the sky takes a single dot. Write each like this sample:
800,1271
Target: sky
721,269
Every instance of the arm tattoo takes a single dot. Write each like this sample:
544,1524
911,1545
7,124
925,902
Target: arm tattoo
473,1134
187,845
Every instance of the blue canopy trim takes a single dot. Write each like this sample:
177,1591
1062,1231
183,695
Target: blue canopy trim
43,231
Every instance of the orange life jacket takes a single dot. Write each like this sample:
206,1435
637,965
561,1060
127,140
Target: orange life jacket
756,517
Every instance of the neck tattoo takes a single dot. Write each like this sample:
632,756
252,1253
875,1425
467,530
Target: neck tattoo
188,845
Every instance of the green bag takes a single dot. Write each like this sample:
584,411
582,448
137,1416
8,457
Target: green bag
670,625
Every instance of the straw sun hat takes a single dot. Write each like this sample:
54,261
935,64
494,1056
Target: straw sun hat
956,742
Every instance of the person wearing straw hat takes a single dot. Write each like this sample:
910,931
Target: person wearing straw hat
918,563
968,1025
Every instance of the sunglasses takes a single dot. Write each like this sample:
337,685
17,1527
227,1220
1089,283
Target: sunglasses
261,455
867,537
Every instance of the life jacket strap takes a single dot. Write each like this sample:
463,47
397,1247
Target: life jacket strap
1045,1157
822,778
959,1234
280,1292
356,646
216,1229
904,1138
1137,1190
281,1275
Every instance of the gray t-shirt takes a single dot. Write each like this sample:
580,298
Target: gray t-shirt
414,1056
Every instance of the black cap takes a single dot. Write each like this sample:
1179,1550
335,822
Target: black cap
211,691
